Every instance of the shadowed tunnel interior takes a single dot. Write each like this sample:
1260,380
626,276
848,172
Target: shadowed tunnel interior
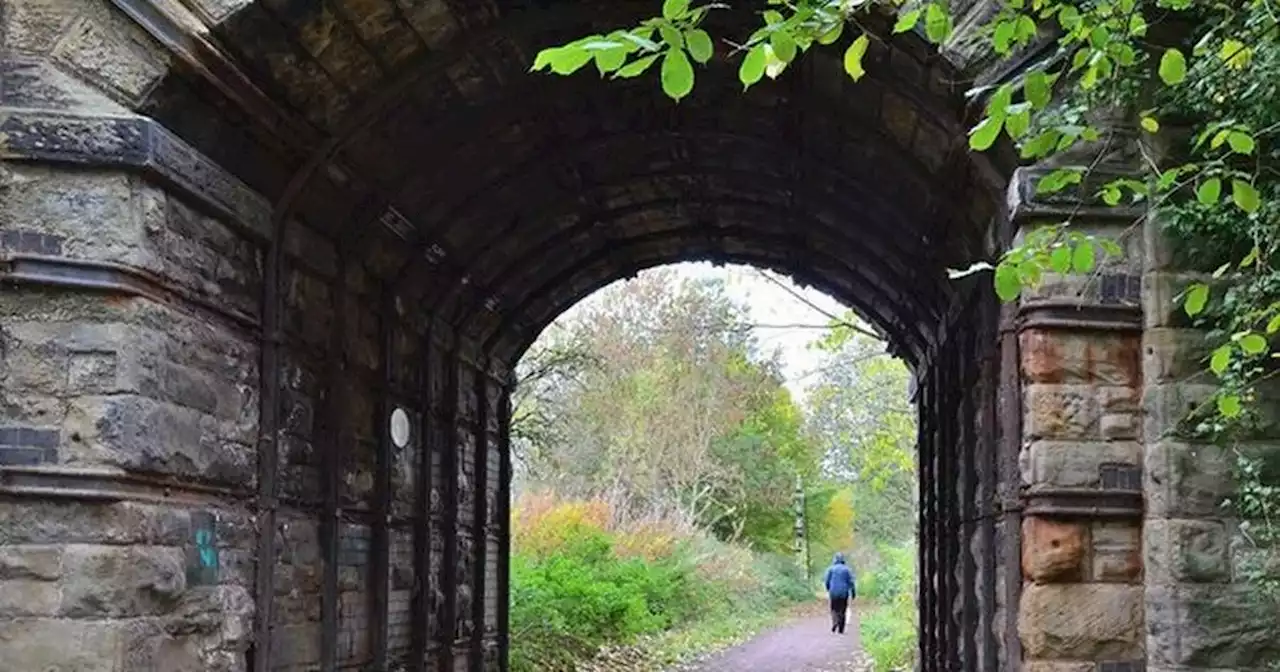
435,205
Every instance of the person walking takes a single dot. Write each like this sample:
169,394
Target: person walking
841,587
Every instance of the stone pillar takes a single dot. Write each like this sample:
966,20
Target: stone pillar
1199,613
1081,606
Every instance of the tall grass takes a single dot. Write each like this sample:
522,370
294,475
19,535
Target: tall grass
580,580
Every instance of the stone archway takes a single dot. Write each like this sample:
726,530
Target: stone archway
239,236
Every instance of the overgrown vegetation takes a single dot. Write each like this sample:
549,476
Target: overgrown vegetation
674,453
888,623
1197,80
581,581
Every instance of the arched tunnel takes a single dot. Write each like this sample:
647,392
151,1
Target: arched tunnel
310,216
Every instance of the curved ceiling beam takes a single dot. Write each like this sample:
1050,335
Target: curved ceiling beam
887,243
904,280
691,242
509,343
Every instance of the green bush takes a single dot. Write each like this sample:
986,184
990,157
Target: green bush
568,602
888,627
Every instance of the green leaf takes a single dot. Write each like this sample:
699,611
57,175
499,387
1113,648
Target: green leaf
985,133
1274,325
832,35
1008,284
1069,17
752,68
1037,89
1245,196
1235,54
700,46
1251,258
907,21
675,9
937,23
608,60
1137,25
1173,67
1220,359
672,37
1110,247
1082,258
1197,297
677,74
1209,191
772,17
1002,37
853,57
1060,259
1150,125
1017,124
637,67
1241,143
784,46
1229,405
1253,344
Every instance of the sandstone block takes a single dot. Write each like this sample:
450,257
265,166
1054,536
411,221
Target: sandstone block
1178,551
1057,357
122,523
122,581
97,52
1166,407
27,597
30,562
1173,355
1052,551
1117,552
1081,621
1060,412
60,644
1186,480
1211,626
1076,464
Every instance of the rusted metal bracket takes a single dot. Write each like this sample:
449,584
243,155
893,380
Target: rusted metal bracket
1072,315
1050,502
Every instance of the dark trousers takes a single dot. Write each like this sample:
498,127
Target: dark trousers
839,607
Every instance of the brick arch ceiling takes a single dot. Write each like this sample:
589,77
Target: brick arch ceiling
509,196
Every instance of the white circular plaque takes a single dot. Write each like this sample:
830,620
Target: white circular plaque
399,428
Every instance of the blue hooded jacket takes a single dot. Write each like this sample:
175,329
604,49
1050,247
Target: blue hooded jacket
840,579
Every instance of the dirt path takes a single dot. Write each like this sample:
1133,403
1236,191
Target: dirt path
802,645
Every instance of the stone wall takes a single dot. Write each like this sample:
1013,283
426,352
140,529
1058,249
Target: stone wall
128,420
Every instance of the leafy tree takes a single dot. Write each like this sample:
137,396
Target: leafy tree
677,413
860,411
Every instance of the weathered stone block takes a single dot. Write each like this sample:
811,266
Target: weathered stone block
1053,551
142,434
1050,666
1166,407
1117,552
107,581
34,25
1060,412
1081,621
1186,480
96,52
1217,627
1174,355
123,523
60,644
1057,357
30,562
25,597
1178,551
1076,464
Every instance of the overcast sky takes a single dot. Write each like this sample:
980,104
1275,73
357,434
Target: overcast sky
772,304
